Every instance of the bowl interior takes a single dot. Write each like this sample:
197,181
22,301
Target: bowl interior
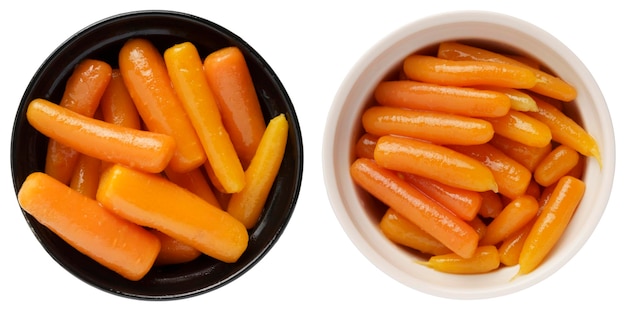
359,214
103,41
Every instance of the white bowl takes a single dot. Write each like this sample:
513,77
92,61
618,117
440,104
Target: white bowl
352,206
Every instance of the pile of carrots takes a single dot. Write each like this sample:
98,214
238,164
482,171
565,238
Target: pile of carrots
474,158
156,162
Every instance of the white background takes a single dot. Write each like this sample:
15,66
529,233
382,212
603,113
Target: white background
314,266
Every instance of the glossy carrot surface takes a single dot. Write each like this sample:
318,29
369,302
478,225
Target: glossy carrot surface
526,155
515,215
484,260
173,251
522,128
558,163
86,176
403,232
365,146
116,104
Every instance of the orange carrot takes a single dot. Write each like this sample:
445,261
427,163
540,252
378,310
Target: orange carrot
86,176
491,204
432,126
520,101
187,74
512,218
173,210
403,232
433,161
522,128
365,146
526,155
441,71
116,104
421,210
108,142
231,82
486,259
195,182
555,165
145,75
534,189
479,226
511,247
83,223
449,99
173,251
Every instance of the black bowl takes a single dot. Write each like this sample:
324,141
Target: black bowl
103,40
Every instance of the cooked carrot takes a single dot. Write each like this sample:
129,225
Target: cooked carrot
511,247
405,233
484,260
173,251
547,84
365,146
84,224
491,204
185,68
229,77
464,203
441,71
116,104
152,201
479,226
433,161
86,176
450,99
520,101
551,223
418,208
247,205
523,128
511,177
578,169
432,126
108,142
526,155
82,93
513,217
556,164
195,182
534,189
145,75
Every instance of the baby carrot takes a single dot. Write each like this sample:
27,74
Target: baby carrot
82,93
229,77
418,208
400,230
555,165
432,126
365,146
173,251
195,182
186,72
491,204
513,217
523,128
246,205
484,260
116,104
86,176
511,247
551,222
441,71
152,201
145,75
108,142
479,226
520,101
435,162
83,223
450,99
526,155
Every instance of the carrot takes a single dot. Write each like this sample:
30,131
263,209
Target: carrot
479,226
229,77
511,247
486,259
247,205
432,126
491,204
534,189
526,155
441,71
462,202
556,164
145,75
513,217
84,224
401,231
433,161
520,101
108,142
523,128
511,177
82,93
421,210
187,74
86,176
116,104
365,146
195,182
152,201
547,84
551,223
173,251
449,99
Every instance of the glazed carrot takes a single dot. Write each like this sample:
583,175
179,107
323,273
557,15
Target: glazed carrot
173,210
173,251
441,71
418,208
449,99
578,169
526,155
486,259
551,223
108,142
491,204
534,189
116,104
523,128
86,176
556,164
229,77
195,182
365,146
187,74
511,247
547,84
513,217
520,101
83,223
82,93
464,203
433,161
246,205
145,75
432,126
405,233
479,226
566,131
511,177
